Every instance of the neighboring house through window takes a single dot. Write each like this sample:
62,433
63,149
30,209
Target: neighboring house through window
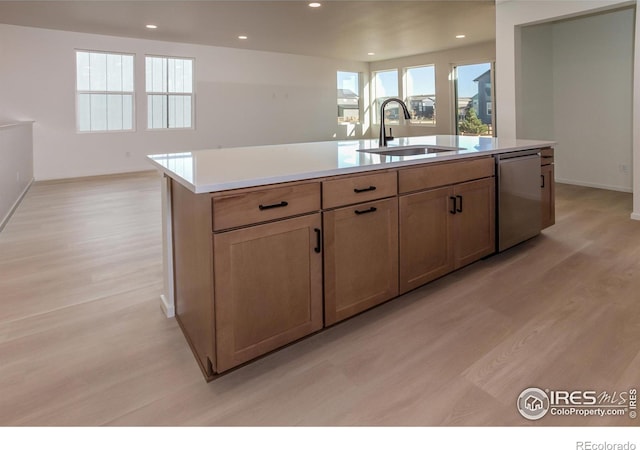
169,86
104,91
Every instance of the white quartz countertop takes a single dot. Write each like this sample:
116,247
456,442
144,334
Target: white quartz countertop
232,168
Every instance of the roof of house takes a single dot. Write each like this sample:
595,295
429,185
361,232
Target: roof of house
346,93
482,75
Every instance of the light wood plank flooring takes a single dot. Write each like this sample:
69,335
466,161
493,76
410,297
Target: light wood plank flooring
83,340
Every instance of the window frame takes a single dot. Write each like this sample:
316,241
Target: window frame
406,96
359,94
80,92
453,77
374,97
168,94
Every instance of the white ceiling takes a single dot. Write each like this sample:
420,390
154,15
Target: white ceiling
340,29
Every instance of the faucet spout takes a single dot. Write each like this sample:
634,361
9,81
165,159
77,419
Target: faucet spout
383,138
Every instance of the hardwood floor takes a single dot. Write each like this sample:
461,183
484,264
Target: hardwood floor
83,340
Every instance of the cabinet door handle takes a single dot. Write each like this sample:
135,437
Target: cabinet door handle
370,188
459,208
453,206
318,248
370,210
275,205
542,176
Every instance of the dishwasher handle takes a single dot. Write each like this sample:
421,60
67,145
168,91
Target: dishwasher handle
518,154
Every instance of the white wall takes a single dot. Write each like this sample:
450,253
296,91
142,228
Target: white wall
512,13
593,70
636,116
574,86
242,97
16,166
534,91
444,62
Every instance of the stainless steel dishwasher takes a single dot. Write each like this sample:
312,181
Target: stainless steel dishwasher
518,197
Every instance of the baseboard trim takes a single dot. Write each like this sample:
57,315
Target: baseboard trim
15,205
594,185
635,216
167,307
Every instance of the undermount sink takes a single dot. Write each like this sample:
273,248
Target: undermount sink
412,151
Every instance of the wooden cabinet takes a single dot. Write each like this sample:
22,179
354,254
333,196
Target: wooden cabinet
248,207
474,233
360,257
268,287
446,228
258,268
429,176
547,186
426,246
253,285
349,190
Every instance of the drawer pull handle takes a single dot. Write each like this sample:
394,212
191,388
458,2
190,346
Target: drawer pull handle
318,248
370,210
459,208
370,188
453,206
276,205
542,185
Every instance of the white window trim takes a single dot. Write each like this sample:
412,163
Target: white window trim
79,92
375,119
360,97
405,93
192,94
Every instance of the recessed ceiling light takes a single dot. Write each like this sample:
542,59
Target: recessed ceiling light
370,53
460,36
243,37
151,26
315,5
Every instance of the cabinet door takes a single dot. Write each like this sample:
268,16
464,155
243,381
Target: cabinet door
361,257
548,196
267,287
426,252
474,222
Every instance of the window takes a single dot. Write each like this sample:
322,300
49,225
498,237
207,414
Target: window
385,85
348,97
420,93
169,84
104,91
472,84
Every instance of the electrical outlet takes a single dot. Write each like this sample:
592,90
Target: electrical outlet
127,154
624,168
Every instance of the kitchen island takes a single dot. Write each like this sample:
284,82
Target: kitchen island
266,245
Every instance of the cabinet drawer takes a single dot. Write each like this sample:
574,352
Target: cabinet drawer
546,156
357,189
435,175
263,205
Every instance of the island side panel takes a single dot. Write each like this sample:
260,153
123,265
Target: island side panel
193,272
